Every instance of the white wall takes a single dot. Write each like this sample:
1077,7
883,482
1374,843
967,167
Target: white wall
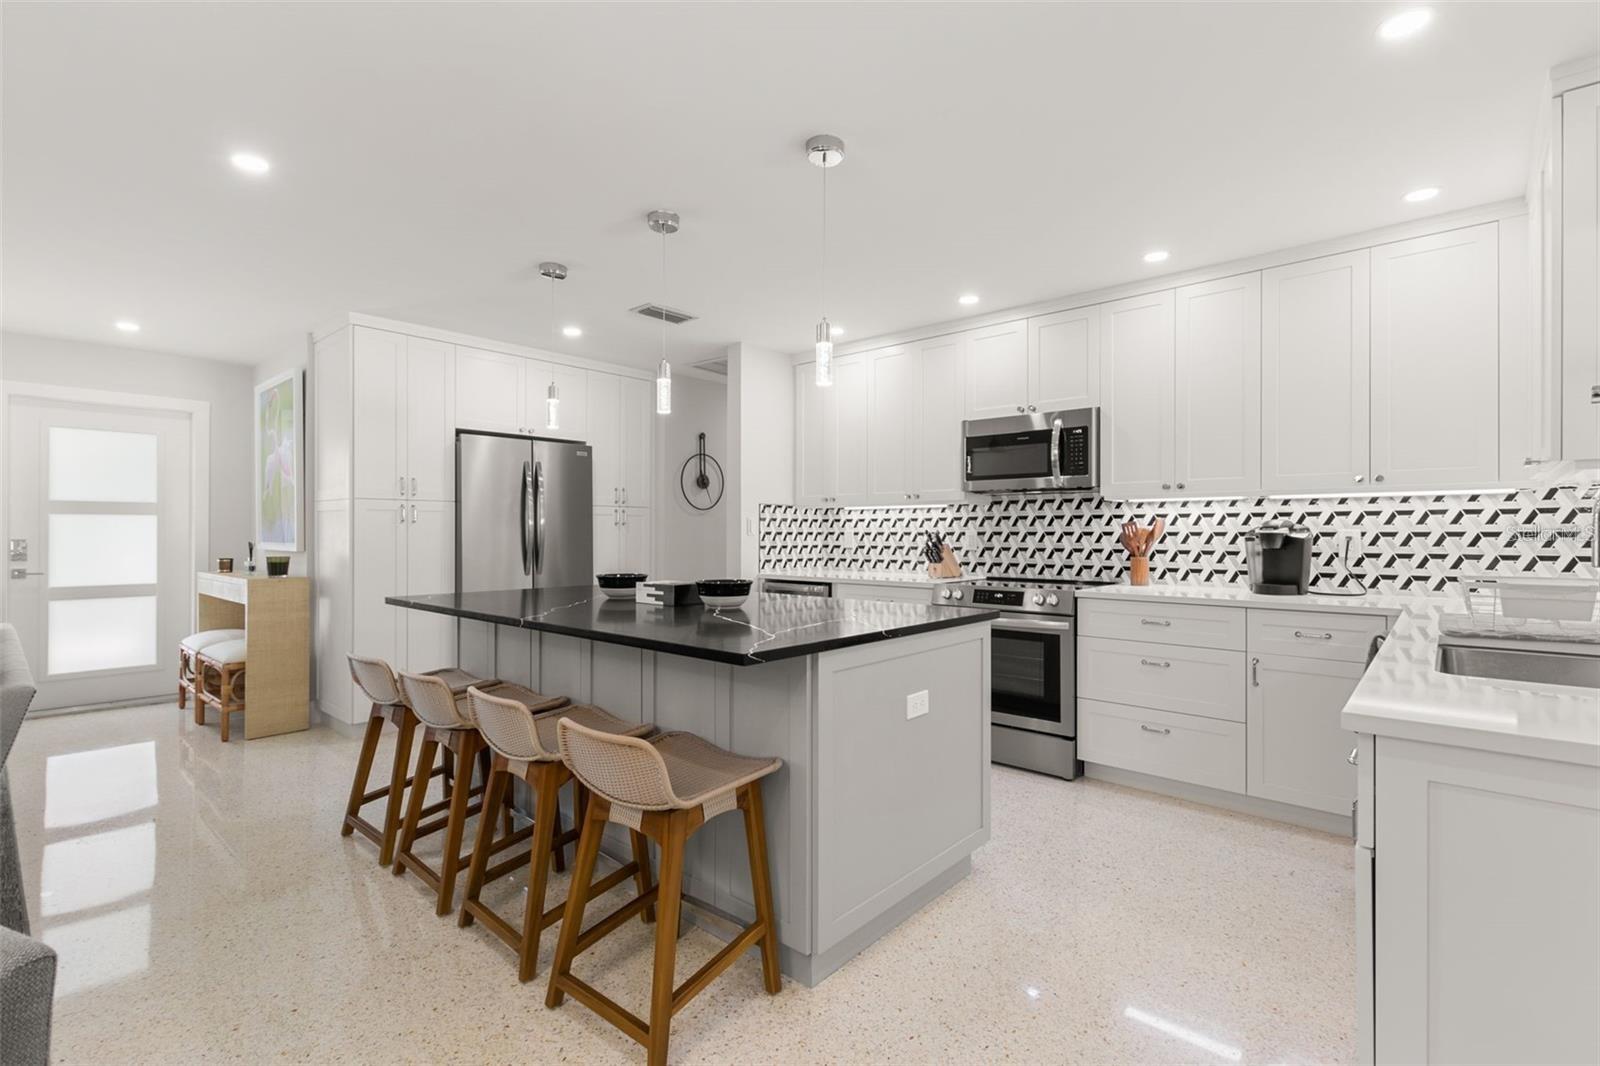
227,387
690,544
761,453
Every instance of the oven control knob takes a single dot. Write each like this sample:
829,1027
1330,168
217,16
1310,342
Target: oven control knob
944,594
958,594
1038,600
1051,599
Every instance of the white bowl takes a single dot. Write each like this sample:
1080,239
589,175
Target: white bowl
724,602
621,594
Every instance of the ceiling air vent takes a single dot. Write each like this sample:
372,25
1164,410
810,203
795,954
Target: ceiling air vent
718,367
659,313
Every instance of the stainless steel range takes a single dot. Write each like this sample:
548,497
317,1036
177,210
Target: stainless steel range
1033,669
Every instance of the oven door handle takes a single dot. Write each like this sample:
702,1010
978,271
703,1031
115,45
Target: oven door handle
1055,451
1034,625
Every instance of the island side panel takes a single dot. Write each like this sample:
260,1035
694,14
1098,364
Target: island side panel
900,801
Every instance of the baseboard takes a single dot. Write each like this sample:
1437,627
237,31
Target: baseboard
1321,821
113,705
319,717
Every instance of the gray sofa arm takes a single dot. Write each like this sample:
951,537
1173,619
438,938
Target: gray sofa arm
27,987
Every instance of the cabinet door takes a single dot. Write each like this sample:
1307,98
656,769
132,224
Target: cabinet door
489,391
636,543
379,386
430,420
638,441
605,438
997,370
1064,360
892,388
430,566
1580,273
935,459
816,444
850,454
1297,751
572,406
378,531
1217,389
1314,375
1136,380
1436,360
608,540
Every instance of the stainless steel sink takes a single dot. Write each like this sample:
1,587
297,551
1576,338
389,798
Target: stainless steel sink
1509,664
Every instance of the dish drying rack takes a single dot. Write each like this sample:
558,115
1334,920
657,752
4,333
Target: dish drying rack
1527,603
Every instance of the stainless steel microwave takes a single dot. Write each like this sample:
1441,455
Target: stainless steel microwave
1052,451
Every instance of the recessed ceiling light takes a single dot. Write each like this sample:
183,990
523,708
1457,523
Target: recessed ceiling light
127,325
967,299
250,163
1406,23
1417,196
837,331
1157,256
571,331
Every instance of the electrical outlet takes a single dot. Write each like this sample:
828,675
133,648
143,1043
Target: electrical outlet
1348,541
917,704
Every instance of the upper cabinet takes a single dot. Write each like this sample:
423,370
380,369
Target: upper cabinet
1435,360
935,449
816,439
1314,375
1217,392
893,380
1136,382
850,452
572,400
1064,360
403,444
489,391
1579,224
620,425
997,370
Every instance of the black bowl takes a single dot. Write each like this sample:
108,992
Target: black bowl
723,586
619,581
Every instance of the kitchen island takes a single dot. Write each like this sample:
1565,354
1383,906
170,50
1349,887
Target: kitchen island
879,710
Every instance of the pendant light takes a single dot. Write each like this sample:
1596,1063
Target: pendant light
825,151
663,222
552,396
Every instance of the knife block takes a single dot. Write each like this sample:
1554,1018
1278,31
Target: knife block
947,566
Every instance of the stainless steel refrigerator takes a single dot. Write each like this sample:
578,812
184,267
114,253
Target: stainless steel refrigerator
524,509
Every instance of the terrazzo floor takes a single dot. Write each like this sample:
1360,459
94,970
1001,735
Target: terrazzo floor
205,909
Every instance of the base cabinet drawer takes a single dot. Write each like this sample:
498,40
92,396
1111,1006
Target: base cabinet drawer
1182,747
1193,624
1314,635
1201,681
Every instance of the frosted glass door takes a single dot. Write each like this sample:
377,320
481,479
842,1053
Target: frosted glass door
101,560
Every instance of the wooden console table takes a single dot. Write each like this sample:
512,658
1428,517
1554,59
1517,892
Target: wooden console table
275,613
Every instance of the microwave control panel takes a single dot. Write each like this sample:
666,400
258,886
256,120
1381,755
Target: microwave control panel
1075,451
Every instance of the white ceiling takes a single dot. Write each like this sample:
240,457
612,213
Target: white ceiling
426,157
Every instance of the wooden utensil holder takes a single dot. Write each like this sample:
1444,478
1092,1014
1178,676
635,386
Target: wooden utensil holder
1139,570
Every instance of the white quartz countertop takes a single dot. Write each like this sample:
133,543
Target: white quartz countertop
886,577
1403,695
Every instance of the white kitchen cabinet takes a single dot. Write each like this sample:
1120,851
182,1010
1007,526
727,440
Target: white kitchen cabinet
1435,361
817,441
1136,383
403,549
607,540
893,384
403,433
1315,375
936,456
997,370
489,391
637,446
1483,924
850,419
622,540
1178,747
1217,387
1580,272
621,435
1064,360
430,567
572,407
1297,751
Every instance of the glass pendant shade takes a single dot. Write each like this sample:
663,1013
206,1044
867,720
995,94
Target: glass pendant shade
824,354
552,407
664,388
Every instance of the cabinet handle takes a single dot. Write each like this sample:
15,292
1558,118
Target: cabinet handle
1019,408
1352,758
1360,478
1180,484
413,486
1166,484
1155,621
1163,731
1377,477
1312,636
402,514
624,496
916,495
402,486
1031,407
1152,662
413,514
908,495
1255,672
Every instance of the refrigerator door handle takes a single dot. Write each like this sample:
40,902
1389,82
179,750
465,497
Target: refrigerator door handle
527,500
538,516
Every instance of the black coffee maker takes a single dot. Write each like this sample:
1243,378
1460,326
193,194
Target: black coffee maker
1279,555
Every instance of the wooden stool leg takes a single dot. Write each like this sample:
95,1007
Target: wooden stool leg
397,787
593,828
456,828
224,704
484,845
199,706
183,672
755,833
641,876
668,903
560,856
546,804
358,787
419,792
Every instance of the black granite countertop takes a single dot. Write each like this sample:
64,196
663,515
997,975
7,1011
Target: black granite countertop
765,629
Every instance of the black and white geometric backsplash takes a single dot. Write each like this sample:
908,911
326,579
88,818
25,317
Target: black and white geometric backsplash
1412,543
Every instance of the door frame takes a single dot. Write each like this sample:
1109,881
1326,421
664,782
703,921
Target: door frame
199,412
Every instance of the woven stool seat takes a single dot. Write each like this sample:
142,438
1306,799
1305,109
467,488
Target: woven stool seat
207,637
225,652
667,772
524,731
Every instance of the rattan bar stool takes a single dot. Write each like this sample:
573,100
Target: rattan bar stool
525,748
447,724
665,787
189,649
220,669
377,681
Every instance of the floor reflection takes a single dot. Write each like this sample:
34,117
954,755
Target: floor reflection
91,786
97,869
98,951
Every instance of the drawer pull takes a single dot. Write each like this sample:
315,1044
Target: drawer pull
1255,672
1163,731
1312,636
1155,621
1152,662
